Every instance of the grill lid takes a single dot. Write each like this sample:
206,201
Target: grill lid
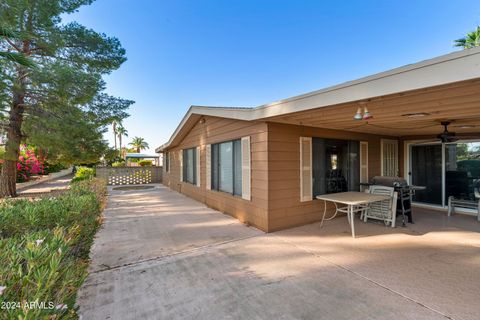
390,181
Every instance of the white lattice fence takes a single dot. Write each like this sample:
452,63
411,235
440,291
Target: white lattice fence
130,175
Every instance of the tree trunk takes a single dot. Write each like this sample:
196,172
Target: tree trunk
138,149
120,144
8,175
115,134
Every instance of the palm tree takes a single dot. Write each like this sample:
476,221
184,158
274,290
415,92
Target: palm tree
139,143
472,39
121,131
114,129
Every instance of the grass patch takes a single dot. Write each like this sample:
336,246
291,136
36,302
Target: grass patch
44,247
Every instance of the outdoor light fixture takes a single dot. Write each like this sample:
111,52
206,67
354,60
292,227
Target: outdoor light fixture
358,115
366,115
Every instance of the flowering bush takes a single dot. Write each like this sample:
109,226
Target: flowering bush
28,164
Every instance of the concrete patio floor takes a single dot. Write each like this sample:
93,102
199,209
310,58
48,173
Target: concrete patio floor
161,255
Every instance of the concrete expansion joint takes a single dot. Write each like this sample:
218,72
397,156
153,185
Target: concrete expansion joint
364,277
171,255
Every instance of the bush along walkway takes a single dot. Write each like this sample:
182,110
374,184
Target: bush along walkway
44,249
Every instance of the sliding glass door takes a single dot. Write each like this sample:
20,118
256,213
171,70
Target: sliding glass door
451,169
426,170
462,170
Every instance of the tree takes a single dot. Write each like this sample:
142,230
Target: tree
110,156
139,144
114,129
77,136
59,104
472,39
121,131
16,57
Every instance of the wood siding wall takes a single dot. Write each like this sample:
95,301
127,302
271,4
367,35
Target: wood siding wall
275,174
215,130
284,207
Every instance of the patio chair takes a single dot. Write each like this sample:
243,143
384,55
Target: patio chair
459,193
382,210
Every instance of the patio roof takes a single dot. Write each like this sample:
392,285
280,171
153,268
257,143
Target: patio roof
445,87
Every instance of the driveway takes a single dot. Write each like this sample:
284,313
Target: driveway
161,255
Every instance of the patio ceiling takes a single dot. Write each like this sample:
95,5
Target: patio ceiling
458,102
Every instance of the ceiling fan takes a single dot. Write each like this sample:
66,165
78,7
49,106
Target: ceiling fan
447,136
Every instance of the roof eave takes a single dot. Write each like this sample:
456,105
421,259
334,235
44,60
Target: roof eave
449,68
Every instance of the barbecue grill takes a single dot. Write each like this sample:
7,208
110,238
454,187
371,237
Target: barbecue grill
405,193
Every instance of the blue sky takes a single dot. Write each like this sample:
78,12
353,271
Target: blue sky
247,53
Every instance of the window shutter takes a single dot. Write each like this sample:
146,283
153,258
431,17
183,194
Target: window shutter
197,161
180,156
246,169
208,166
306,189
363,162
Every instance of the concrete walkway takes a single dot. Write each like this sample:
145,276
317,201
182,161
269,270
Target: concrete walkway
161,255
60,183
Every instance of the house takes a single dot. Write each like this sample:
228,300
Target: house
265,165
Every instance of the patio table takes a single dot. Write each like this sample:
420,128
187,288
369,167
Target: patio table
355,201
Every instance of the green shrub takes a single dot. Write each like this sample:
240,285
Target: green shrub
144,163
52,268
84,173
51,168
39,266
118,164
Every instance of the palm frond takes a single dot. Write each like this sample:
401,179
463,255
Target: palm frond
471,40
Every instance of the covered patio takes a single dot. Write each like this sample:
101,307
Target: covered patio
164,255
420,122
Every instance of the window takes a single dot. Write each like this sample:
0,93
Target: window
189,166
335,166
389,154
226,170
